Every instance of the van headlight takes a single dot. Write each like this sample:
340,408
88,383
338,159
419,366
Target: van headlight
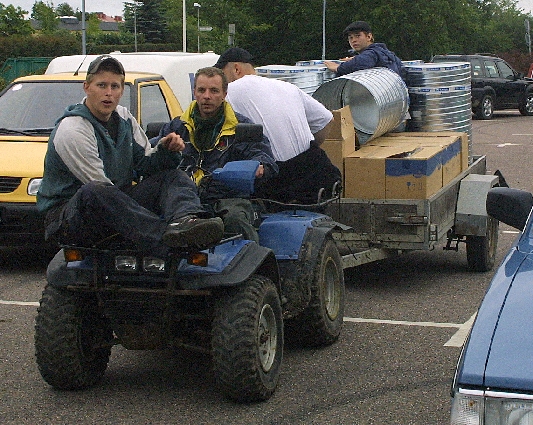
491,408
33,186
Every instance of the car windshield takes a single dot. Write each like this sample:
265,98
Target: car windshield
35,106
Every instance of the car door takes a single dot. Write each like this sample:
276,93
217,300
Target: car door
512,87
497,82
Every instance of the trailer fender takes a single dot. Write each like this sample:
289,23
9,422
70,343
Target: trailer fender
471,218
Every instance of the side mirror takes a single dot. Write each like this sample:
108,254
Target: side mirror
246,132
510,206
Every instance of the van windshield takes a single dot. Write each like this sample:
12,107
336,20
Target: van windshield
35,106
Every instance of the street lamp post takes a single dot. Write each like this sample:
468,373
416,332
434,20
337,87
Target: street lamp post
324,30
184,19
198,6
83,31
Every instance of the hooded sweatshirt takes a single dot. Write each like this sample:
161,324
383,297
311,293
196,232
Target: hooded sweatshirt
375,55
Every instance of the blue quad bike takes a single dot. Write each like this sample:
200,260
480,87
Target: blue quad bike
235,301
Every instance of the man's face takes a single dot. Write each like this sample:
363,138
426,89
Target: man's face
103,94
359,40
209,94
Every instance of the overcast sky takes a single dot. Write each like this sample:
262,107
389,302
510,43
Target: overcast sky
116,7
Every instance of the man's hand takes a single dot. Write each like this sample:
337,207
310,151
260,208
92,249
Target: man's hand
173,142
260,171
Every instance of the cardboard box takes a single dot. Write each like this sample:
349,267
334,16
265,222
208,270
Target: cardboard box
417,176
430,139
342,127
403,171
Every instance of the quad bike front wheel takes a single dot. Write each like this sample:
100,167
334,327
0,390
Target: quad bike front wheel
72,339
247,340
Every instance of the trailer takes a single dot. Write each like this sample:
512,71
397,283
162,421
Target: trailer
382,228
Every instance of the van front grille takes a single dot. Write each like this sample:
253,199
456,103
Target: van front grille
9,184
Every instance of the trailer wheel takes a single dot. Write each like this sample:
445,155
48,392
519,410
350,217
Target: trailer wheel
321,322
72,339
247,340
481,250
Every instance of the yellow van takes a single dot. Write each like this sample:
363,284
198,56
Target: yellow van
29,107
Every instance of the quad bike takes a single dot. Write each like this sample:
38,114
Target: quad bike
230,301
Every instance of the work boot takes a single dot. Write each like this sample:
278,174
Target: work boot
191,231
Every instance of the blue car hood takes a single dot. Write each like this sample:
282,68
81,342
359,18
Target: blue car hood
499,351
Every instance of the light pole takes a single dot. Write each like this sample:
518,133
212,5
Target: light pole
83,36
324,30
184,27
198,6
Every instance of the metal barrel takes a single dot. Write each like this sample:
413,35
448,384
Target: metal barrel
378,100
440,97
306,75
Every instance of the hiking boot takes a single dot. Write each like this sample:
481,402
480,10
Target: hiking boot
191,231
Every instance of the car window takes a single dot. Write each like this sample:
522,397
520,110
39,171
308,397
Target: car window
476,67
505,70
153,105
490,67
36,105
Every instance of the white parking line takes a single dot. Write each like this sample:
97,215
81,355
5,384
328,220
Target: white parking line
456,340
19,303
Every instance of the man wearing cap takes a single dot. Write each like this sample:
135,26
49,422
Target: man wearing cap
94,154
294,122
208,129
369,54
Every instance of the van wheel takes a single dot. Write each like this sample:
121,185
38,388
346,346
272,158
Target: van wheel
481,250
485,110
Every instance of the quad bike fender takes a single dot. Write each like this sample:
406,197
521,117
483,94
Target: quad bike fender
235,267
297,239
61,274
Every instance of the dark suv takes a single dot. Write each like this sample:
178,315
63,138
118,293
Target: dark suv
495,85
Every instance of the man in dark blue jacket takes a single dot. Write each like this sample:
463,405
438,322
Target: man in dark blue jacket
88,191
207,128
369,54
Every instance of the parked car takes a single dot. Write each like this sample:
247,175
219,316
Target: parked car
495,85
493,383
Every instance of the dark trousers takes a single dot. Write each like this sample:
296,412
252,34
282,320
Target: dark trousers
301,178
139,213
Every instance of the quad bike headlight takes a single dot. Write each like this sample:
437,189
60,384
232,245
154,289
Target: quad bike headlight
153,265
126,263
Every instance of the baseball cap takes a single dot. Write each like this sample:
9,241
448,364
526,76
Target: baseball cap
233,54
357,27
107,59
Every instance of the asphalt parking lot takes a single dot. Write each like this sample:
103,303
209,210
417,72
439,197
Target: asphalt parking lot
405,321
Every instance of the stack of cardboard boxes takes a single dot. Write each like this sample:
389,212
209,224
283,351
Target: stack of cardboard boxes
396,165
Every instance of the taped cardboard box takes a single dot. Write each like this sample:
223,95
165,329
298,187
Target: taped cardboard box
431,139
454,145
403,171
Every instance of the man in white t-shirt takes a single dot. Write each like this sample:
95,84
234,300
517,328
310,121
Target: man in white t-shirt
295,123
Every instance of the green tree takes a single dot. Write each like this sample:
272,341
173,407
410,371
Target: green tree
12,21
45,14
65,9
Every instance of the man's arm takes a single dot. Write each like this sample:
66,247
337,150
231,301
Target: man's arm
322,135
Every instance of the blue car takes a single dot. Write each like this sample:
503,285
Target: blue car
493,383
